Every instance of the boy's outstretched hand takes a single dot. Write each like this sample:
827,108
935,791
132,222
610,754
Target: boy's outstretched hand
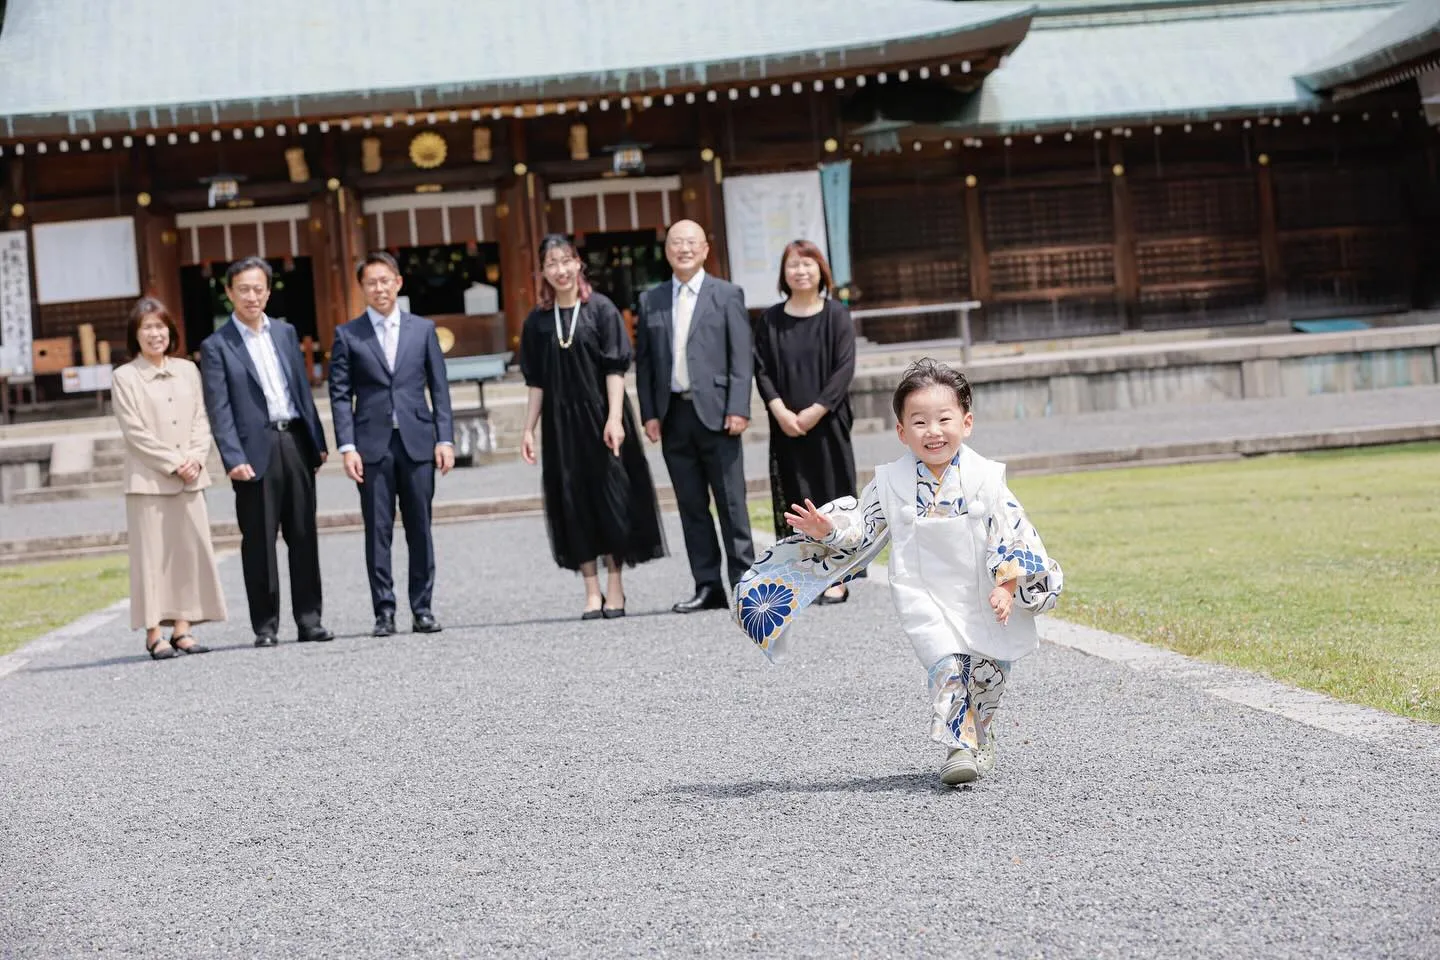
1001,601
809,521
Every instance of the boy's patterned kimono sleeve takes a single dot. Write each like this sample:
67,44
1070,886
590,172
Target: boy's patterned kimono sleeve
1014,551
858,523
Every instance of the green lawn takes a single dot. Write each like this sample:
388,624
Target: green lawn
35,598
1321,570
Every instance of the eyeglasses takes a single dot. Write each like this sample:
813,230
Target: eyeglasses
379,283
678,244
245,289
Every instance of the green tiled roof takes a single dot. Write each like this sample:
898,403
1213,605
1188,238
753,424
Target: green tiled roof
1187,65
1411,32
69,67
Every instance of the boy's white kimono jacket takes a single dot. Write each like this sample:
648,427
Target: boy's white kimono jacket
942,567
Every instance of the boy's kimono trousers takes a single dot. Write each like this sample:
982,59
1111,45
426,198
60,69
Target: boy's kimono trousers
952,540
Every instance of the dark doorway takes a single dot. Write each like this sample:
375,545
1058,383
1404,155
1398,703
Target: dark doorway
203,300
437,277
624,265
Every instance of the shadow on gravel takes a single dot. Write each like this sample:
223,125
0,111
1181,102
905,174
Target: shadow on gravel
144,658
537,621
925,782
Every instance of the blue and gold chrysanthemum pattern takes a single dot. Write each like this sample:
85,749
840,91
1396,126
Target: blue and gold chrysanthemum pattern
766,609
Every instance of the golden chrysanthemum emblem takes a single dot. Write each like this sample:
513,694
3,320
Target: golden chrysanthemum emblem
427,150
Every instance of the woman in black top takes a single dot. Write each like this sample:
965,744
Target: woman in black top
804,362
599,499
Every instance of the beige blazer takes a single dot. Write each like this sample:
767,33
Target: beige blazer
162,416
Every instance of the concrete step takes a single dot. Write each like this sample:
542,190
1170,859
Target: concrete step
109,458
79,491
83,478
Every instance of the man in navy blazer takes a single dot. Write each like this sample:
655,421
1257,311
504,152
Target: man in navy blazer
382,363
270,439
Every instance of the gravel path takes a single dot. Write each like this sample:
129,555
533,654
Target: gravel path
1111,430
527,785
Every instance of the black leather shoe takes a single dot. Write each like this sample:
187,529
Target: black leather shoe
316,635
266,640
426,623
384,625
708,597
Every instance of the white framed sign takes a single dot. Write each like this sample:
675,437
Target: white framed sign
16,329
83,260
763,213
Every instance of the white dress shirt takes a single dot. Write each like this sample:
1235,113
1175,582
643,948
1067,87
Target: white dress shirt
266,358
680,370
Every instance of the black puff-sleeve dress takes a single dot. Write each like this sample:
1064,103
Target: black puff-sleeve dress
805,360
596,504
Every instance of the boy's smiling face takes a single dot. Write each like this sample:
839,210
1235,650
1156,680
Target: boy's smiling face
934,425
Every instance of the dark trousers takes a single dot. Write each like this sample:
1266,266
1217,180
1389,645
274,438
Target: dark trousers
391,479
282,501
702,461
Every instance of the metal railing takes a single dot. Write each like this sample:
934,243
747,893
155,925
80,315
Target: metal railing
963,307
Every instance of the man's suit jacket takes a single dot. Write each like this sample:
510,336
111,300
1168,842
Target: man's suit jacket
718,352
235,400
364,394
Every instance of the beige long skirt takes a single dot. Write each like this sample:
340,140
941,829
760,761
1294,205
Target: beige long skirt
172,562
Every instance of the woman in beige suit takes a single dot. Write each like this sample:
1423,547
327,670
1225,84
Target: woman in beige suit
173,581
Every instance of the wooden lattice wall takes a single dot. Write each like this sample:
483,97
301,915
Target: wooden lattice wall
1051,254
1197,251
909,246
1344,239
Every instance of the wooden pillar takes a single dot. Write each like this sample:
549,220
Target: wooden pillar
160,264
1270,244
322,230
1127,274
521,217
975,240
701,201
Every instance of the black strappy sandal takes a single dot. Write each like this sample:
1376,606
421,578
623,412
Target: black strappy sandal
156,653
193,648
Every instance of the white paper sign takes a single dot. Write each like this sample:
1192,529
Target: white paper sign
86,260
763,213
16,331
86,379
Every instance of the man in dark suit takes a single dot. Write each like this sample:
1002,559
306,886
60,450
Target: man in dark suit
393,442
693,366
270,439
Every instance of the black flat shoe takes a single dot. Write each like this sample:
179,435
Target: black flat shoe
193,648
384,625
613,613
316,635
706,598
827,600
426,623
156,653
266,640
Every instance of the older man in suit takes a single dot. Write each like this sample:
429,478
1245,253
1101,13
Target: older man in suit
693,366
381,365
271,443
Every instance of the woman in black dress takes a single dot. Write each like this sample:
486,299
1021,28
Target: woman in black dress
599,499
804,362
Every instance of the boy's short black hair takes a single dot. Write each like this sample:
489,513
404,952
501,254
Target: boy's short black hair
926,372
